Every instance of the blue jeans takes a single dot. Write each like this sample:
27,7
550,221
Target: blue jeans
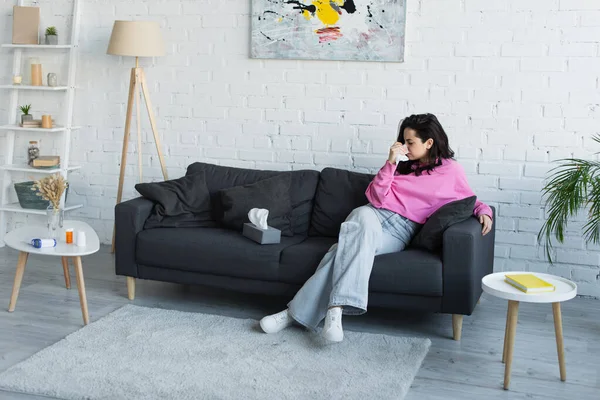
342,277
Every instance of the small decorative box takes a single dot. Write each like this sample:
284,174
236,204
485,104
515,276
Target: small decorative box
262,236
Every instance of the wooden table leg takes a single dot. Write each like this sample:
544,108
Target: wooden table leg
513,311
81,287
559,340
18,279
65,263
505,334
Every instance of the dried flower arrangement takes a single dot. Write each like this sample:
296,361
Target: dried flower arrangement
51,188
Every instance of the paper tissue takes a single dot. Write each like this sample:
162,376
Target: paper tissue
258,216
258,230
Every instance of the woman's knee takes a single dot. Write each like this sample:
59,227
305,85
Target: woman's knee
363,215
363,218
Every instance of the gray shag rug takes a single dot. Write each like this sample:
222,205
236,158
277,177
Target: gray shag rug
148,353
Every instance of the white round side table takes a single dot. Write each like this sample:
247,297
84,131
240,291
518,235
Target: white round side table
20,239
495,285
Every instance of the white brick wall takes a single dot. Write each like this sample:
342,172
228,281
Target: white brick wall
514,82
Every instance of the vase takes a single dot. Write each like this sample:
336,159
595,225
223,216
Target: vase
36,72
52,79
55,221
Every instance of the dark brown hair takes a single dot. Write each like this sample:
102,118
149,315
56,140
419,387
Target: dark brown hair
426,127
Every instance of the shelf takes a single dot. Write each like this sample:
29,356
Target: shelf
29,87
16,207
27,168
57,128
37,46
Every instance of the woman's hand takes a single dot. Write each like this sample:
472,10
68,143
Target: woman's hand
486,221
396,150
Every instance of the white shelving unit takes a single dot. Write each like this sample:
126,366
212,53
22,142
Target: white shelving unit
37,46
38,88
55,128
12,127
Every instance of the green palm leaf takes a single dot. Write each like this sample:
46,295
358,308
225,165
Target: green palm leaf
574,185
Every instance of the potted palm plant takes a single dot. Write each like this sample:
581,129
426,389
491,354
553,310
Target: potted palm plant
573,186
26,116
51,36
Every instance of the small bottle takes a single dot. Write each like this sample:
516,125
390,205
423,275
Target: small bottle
41,243
33,152
69,236
81,242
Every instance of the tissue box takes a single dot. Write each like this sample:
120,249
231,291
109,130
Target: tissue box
262,236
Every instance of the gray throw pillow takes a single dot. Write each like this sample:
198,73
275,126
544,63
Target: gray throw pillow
272,194
431,235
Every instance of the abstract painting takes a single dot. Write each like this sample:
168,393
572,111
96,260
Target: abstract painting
356,30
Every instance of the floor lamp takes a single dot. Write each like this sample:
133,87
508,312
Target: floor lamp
137,39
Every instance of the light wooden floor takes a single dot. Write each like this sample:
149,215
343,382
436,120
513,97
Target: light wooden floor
469,369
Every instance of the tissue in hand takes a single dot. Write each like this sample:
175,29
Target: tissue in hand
258,216
401,157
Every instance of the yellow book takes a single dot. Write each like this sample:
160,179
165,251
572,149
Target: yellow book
529,283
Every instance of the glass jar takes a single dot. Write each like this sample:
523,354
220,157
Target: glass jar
33,152
55,221
52,79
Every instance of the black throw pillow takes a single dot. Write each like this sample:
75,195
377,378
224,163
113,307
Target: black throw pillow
272,194
338,193
430,236
183,202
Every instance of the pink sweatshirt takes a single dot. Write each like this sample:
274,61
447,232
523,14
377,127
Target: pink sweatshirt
417,197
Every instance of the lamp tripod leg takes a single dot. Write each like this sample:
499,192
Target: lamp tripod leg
153,123
139,129
133,84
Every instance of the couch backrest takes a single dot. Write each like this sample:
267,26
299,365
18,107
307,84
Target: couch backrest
302,191
338,193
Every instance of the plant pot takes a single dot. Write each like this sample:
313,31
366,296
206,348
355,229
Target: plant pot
52,39
26,117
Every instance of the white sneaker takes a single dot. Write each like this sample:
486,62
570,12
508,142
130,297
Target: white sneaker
332,330
276,322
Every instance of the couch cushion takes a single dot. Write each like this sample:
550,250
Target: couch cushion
302,190
215,251
411,271
272,194
338,193
299,262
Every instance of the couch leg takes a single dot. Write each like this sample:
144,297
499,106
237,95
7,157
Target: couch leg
131,287
457,320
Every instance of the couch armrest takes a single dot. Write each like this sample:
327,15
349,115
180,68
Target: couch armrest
130,217
467,256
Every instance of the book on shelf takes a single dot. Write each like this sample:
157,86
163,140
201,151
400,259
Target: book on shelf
35,123
46,161
26,23
529,283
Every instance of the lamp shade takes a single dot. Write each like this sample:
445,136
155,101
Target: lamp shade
136,39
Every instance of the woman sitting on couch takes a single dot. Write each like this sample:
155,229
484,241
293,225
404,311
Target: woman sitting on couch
401,197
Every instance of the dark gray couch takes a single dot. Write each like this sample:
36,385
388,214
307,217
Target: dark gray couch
223,258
